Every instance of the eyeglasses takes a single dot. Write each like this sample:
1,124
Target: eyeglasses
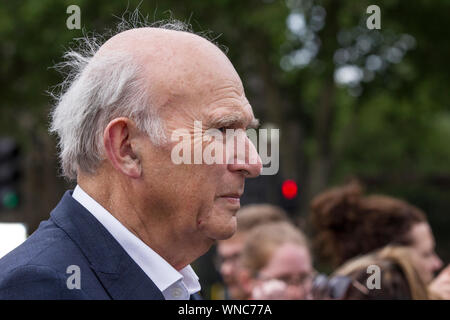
232,259
300,280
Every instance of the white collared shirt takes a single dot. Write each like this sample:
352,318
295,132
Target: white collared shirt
174,285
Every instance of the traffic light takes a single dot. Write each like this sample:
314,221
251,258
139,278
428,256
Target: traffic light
274,190
289,192
9,173
289,189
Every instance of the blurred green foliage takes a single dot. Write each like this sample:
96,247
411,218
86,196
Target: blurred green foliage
391,129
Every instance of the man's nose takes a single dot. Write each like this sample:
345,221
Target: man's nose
247,160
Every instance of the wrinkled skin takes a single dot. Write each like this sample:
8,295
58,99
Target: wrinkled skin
178,210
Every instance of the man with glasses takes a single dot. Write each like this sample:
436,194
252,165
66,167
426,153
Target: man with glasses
229,251
277,263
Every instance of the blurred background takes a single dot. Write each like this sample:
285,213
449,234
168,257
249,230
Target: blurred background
349,102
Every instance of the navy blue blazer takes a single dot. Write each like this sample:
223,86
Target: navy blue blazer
38,268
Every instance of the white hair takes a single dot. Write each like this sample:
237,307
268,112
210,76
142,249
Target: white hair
95,91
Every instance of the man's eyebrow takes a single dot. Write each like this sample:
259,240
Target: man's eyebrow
234,120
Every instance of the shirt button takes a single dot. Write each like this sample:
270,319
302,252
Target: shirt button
177,292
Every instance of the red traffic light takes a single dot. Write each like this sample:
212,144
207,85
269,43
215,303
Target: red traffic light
289,189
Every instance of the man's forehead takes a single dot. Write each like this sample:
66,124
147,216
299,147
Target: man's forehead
234,111
173,61
179,71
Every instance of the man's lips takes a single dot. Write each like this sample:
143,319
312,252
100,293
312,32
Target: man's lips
233,198
232,195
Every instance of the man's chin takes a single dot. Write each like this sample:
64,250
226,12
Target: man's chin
221,225
223,233
226,236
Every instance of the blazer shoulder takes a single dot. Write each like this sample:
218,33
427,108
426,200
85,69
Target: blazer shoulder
46,246
36,282
44,256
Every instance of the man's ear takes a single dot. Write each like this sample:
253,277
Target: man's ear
119,142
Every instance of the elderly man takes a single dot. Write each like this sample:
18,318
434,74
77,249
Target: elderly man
136,220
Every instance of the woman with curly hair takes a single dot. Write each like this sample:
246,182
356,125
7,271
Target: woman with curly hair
349,223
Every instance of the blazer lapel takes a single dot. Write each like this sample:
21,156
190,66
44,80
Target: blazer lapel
121,277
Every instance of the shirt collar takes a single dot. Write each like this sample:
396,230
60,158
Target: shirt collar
154,266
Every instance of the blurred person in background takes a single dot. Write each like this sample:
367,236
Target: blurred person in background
136,219
229,250
276,263
399,279
349,223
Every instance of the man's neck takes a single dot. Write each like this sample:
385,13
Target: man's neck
155,231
